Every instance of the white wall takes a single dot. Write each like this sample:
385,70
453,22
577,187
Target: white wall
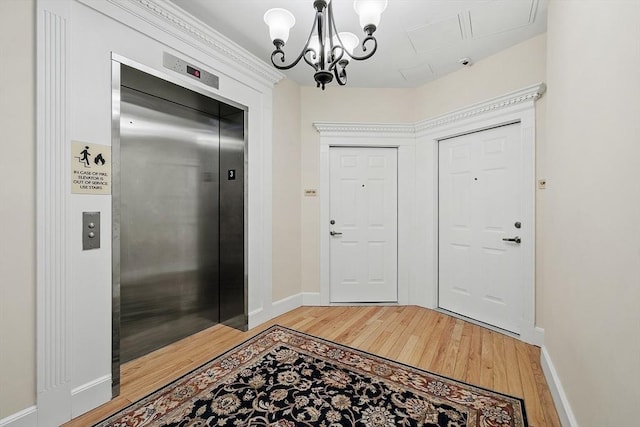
589,228
286,190
17,206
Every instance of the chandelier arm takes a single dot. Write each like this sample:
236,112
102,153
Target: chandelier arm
331,25
338,63
305,50
370,38
310,58
336,58
364,49
280,52
332,29
340,72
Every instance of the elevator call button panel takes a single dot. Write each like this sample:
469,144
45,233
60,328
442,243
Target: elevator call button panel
90,230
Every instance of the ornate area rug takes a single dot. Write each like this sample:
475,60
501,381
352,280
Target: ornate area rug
284,378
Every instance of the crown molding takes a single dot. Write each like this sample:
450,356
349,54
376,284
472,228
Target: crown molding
521,96
526,94
380,129
174,20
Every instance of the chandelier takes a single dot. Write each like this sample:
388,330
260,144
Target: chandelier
327,51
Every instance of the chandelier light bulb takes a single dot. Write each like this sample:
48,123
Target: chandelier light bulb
314,43
349,41
369,11
280,21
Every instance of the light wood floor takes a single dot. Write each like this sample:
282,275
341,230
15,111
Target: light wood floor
412,335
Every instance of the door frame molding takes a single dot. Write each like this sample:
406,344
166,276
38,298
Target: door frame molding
405,145
418,190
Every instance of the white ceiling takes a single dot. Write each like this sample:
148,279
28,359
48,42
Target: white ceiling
418,40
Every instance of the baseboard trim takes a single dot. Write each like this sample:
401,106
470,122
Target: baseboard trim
262,315
258,317
311,298
567,419
90,395
538,334
534,336
286,304
26,418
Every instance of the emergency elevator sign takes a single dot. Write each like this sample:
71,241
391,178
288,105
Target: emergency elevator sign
90,168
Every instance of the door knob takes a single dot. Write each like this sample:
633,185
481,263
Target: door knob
334,233
513,239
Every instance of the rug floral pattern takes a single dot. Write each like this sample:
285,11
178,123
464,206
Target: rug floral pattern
284,378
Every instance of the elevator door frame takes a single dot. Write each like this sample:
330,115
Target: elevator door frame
116,82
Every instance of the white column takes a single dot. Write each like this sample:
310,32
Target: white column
53,330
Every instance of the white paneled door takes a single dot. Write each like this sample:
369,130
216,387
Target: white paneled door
363,224
480,253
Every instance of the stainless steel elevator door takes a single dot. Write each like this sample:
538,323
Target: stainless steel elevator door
232,223
169,222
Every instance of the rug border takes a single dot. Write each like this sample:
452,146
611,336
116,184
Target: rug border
187,373
521,400
522,405
404,364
